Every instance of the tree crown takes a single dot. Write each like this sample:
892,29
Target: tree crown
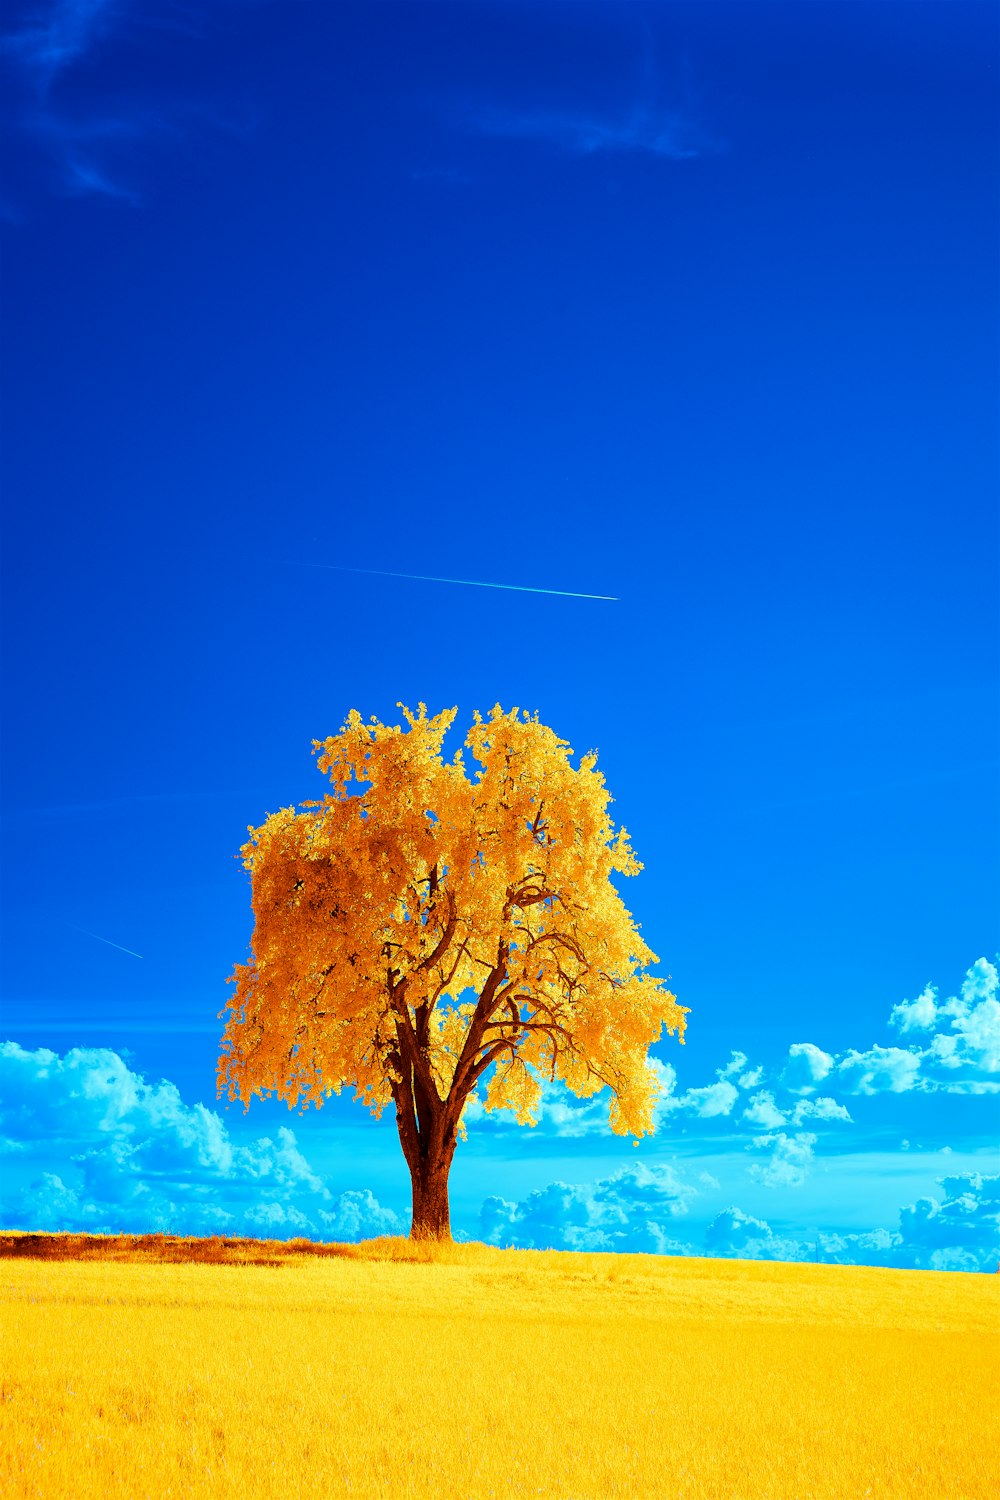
419,925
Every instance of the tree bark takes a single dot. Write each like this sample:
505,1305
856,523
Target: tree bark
431,1212
427,1125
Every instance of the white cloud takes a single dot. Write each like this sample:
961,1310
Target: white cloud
943,1051
958,1232
981,982
806,1067
789,1161
629,1211
763,1111
736,1070
562,1113
735,1233
666,1078
751,1079
964,1046
880,1070
819,1109
972,1040
714,1099
976,1018
359,1216
559,1113
916,1015
791,1099
965,1042
116,1153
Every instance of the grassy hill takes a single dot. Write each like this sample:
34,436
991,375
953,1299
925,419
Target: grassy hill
154,1366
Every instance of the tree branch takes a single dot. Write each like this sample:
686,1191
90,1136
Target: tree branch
461,1082
445,938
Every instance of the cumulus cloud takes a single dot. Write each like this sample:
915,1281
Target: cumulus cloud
959,1055
880,1070
738,1070
559,1112
915,1015
116,1153
819,1109
714,1099
562,1113
630,1211
762,1111
965,1027
980,982
789,1159
958,1232
735,1233
637,1210
975,1018
807,1066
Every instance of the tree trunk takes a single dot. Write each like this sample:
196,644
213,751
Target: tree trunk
431,1214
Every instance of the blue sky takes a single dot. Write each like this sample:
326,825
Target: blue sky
694,306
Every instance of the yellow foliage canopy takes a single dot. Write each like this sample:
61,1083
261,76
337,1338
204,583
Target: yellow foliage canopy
418,925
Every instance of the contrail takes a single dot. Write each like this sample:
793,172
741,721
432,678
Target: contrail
110,944
469,583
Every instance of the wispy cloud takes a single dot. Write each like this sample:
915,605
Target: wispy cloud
648,122
56,38
90,146
83,177
579,133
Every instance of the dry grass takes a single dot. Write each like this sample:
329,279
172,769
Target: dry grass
153,1366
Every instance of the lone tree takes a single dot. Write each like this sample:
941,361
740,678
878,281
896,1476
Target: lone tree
418,931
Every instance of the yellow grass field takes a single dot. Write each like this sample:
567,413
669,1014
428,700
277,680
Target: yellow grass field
388,1370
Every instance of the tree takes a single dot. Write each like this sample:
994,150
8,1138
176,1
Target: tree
418,931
